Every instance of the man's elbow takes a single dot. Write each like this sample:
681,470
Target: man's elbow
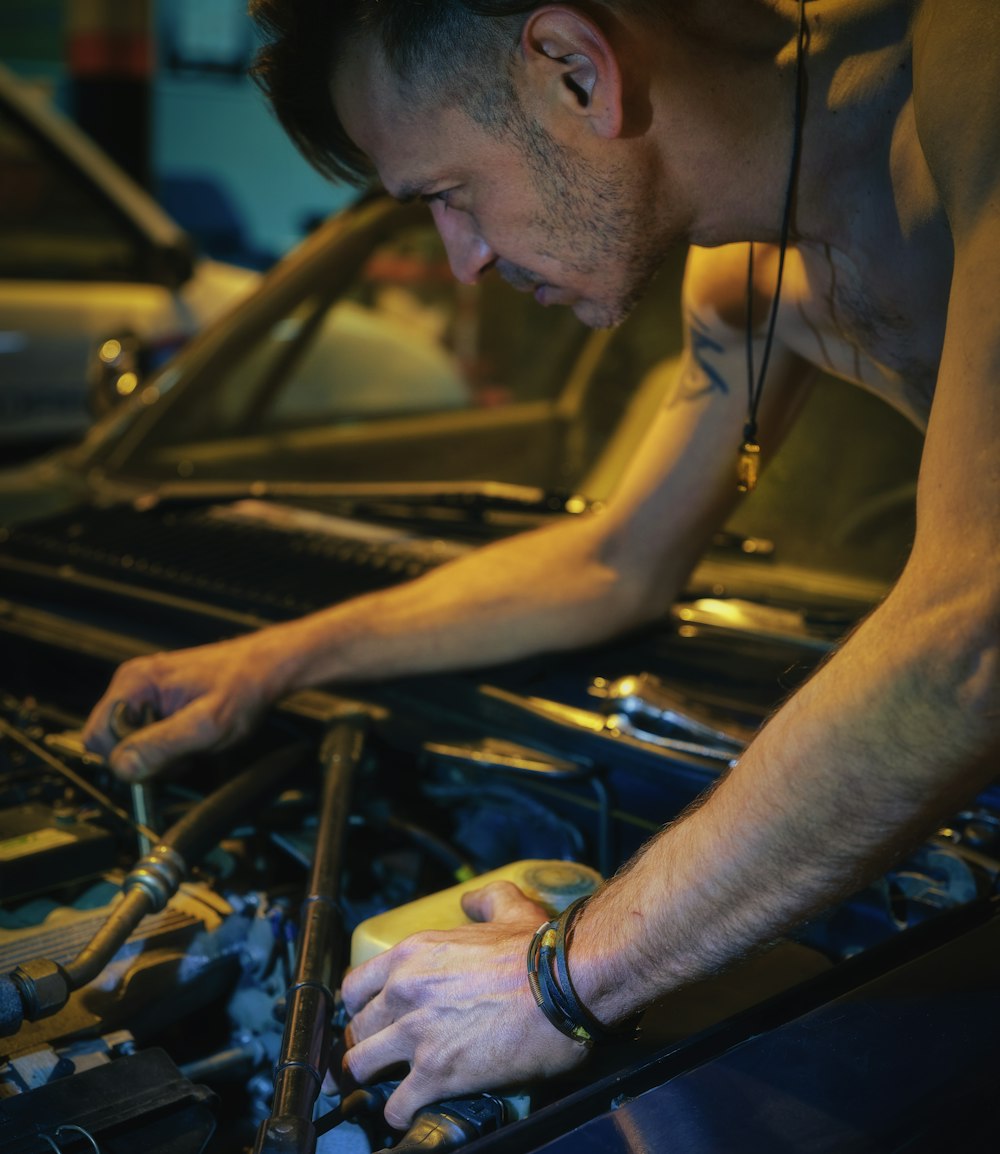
960,625
978,693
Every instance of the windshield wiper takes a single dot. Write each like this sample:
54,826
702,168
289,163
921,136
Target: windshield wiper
466,500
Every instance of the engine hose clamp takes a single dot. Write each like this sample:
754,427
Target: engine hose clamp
283,1066
312,985
158,874
321,900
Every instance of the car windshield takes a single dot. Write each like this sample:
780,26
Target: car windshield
409,376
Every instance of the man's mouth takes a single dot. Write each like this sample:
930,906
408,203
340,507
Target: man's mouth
519,278
527,282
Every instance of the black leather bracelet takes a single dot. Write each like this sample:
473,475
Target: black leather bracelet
597,1031
552,986
541,981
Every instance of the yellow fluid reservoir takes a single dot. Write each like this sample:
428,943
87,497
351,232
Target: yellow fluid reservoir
553,884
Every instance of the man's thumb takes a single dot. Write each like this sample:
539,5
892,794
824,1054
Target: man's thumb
499,902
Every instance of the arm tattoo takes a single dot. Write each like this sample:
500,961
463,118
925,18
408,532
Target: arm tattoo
694,385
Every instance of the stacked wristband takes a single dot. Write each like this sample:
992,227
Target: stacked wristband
552,987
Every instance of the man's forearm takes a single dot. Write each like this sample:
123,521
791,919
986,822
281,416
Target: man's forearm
548,590
885,741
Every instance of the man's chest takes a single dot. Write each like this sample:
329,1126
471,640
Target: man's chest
875,316
868,301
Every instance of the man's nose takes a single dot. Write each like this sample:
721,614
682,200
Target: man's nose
468,253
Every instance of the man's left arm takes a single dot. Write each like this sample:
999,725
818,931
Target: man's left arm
903,724
887,739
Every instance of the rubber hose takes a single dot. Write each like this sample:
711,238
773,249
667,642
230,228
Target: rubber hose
191,838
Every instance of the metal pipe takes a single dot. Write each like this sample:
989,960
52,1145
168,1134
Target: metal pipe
78,782
305,1047
45,987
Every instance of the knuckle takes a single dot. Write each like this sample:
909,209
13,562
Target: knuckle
422,941
227,714
430,1063
401,990
205,719
350,991
405,951
139,669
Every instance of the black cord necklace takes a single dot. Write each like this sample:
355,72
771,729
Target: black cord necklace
748,466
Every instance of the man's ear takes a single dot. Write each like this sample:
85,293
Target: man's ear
571,65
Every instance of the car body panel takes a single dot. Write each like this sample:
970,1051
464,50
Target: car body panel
87,255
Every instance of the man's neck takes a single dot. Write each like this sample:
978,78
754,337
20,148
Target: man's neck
724,113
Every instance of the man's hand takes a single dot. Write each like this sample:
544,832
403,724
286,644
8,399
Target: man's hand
456,1006
206,698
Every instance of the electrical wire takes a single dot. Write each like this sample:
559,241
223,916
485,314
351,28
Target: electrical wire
755,383
80,783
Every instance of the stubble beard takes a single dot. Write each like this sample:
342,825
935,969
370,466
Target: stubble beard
592,227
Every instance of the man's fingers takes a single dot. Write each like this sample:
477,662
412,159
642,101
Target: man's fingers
363,983
98,732
147,751
500,902
413,1092
376,1015
365,1061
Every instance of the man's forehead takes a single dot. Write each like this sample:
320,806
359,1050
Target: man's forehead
404,137
370,102
359,88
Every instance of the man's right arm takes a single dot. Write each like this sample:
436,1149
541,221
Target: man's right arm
574,583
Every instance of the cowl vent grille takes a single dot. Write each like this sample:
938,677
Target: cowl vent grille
226,558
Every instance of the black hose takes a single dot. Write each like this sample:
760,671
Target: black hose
460,867
305,1046
232,1065
452,1124
109,939
363,1102
201,828
155,878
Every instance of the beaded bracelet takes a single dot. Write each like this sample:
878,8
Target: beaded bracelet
552,987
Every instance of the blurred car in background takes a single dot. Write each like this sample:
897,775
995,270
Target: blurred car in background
85,255
360,420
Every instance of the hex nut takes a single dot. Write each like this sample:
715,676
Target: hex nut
44,987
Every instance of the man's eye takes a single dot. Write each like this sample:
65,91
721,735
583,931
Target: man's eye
443,197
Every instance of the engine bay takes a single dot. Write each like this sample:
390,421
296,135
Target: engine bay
170,954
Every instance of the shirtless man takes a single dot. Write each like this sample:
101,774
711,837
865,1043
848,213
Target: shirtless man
608,132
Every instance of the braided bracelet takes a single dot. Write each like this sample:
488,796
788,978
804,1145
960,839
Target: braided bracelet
552,987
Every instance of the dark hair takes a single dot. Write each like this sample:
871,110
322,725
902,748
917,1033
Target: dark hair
459,50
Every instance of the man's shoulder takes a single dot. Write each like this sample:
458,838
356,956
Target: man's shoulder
956,92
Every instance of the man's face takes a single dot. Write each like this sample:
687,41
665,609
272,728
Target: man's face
550,219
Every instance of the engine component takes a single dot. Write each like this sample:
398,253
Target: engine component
43,988
305,1047
174,961
123,1104
553,884
42,847
643,704
452,1124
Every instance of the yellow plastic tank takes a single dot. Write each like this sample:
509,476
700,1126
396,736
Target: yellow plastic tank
553,884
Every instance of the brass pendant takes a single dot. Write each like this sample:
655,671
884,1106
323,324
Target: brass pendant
748,467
